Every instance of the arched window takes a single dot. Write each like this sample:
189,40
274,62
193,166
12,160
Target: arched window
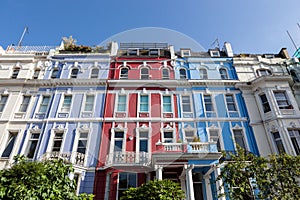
95,73
144,73
124,73
15,73
182,73
54,73
203,73
223,73
165,74
294,76
74,73
36,73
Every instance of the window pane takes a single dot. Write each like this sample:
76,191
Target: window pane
67,104
144,103
118,145
74,73
9,145
230,103
54,73
24,104
165,74
33,141
94,73
124,73
167,104
144,73
44,104
144,145
186,105
182,73
223,74
278,142
265,103
3,102
239,138
89,103
203,73
121,103
295,138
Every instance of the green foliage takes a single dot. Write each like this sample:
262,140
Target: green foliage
38,180
273,178
156,190
70,45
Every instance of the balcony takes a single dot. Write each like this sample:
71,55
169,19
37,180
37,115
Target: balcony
120,158
191,147
75,158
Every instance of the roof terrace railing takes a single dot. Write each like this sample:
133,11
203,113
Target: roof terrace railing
144,45
29,49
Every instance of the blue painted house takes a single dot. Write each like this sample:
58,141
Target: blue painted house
213,115
67,115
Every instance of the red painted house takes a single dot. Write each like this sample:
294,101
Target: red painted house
140,116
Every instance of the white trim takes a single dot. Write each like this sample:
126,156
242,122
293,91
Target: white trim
57,129
242,129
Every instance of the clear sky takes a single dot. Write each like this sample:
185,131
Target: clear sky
253,26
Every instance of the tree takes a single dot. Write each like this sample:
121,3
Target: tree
246,176
38,180
156,190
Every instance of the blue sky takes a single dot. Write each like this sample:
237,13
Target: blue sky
256,26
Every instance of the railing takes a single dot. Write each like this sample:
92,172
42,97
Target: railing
75,158
128,158
191,147
29,49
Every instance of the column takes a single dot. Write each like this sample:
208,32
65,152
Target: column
207,187
189,182
158,169
219,183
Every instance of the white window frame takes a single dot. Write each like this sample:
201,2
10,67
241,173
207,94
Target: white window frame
189,128
203,74
30,139
36,73
263,72
181,76
163,75
26,104
212,103
140,130
3,104
189,104
140,103
123,76
163,104
171,130
41,103
119,128
286,100
144,74
222,75
63,105
58,129
72,75
234,103
124,189
185,52
295,133
94,75
82,129
15,144
220,138
214,53
274,141
238,128
54,71
86,103
118,103
265,105
15,72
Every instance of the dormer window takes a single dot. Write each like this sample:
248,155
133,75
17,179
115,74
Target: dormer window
124,73
154,52
132,52
269,56
214,53
263,72
185,52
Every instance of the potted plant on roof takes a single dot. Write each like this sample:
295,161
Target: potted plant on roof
70,46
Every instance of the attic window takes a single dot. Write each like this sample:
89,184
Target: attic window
153,52
269,56
132,52
214,53
185,53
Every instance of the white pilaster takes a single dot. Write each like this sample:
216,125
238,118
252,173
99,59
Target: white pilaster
189,182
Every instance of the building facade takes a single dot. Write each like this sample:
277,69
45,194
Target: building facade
133,112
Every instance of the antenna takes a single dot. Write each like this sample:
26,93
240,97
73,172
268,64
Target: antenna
292,40
216,42
21,39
